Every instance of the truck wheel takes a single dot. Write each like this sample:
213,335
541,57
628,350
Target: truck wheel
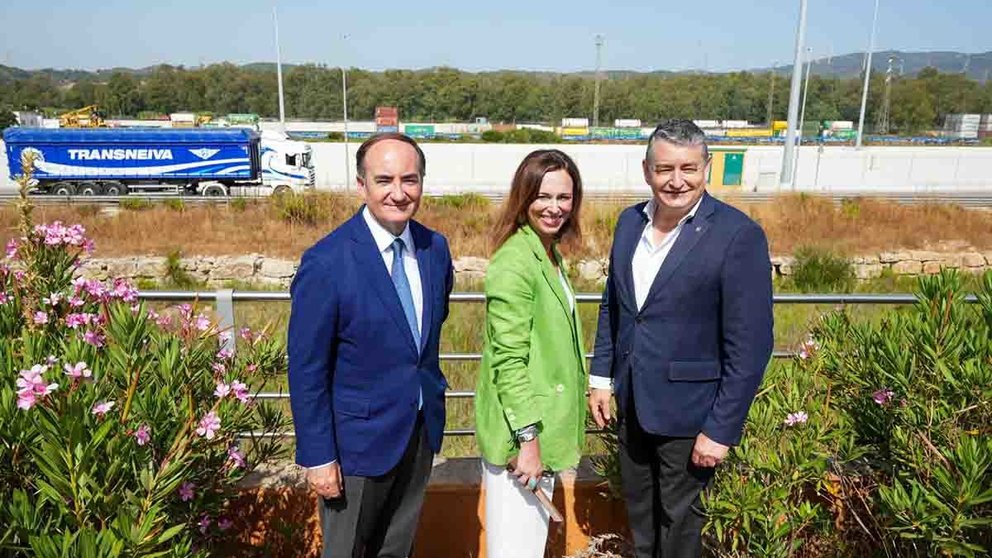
114,189
214,191
89,189
64,189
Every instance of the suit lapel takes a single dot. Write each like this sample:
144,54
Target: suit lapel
692,231
374,270
421,241
547,270
623,264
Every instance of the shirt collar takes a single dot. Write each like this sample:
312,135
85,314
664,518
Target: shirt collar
652,204
383,238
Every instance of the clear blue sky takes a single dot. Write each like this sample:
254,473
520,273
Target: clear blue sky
557,35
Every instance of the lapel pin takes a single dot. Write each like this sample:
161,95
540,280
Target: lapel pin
699,229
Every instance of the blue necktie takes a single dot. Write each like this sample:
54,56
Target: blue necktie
403,290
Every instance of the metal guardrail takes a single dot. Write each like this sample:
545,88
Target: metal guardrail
978,200
225,299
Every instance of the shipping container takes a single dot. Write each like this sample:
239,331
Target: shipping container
749,133
780,125
627,123
419,130
574,122
387,112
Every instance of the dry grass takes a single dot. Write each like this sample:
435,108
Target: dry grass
856,227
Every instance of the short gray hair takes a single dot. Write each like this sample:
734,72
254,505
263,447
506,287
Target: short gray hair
679,131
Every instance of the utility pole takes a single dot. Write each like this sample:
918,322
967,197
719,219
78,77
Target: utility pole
883,118
785,179
282,102
599,62
864,90
771,93
344,110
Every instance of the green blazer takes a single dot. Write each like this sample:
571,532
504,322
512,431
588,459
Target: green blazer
533,365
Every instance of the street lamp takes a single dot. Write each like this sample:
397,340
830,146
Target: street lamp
864,89
802,115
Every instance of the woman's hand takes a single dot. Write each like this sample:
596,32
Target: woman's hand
527,466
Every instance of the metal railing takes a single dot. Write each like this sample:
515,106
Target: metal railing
224,300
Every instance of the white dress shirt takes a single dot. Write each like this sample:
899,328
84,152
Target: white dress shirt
646,263
384,242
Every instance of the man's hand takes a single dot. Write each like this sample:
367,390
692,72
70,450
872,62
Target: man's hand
599,406
527,465
707,453
326,480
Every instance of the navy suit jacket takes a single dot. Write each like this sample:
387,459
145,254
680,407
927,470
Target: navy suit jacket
355,374
694,355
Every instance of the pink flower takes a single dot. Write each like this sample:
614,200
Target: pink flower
96,289
102,408
20,275
124,291
32,387
74,321
40,317
218,367
50,360
93,338
76,302
202,322
224,524
240,391
11,249
153,315
163,321
245,334
252,368
186,491
225,354
883,396
5,298
808,348
222,391
793,419
224,336
52,299
234,456
209,425
204,523
78,284
78,371
143,434
26,400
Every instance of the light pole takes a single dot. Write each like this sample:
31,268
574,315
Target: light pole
864,90
344,102
599,61
785,179
802,115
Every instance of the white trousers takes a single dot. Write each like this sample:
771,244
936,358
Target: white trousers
516,522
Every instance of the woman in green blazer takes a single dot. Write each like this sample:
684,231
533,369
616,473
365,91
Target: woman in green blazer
530,409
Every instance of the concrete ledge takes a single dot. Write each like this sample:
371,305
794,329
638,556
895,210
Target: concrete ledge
277,515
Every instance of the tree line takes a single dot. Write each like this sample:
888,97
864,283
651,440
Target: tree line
313,92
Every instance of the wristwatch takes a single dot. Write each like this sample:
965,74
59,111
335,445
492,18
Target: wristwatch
526,434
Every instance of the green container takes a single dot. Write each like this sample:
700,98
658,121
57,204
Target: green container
733,168
419,130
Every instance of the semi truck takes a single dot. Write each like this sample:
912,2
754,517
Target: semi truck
115,162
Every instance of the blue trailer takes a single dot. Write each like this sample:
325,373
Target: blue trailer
210,161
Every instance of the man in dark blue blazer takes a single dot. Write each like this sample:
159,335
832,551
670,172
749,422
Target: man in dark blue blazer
365,384
685,334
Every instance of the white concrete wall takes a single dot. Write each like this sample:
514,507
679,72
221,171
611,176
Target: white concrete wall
455,168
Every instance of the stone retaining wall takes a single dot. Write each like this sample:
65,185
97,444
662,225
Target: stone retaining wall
216,271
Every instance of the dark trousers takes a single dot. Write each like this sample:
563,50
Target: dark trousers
662,489
377,516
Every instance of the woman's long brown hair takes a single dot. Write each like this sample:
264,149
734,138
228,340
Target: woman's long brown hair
526,186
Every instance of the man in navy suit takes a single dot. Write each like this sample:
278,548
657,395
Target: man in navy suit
685,334
365,385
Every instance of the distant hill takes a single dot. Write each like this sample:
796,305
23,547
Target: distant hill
977,66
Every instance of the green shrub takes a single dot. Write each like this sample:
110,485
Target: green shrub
135,204
175,275
461,201
175,205
492,136
238,205
119,427
299,209
817,270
